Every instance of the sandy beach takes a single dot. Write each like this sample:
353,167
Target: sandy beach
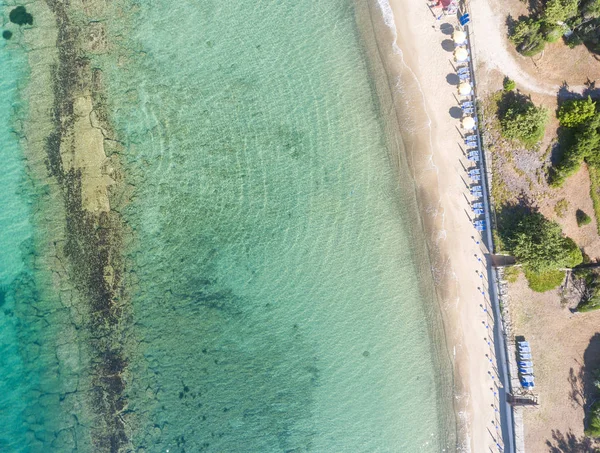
422,77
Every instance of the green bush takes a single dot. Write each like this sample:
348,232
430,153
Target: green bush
539,244
561,207
559,10
511,273
524,123
527,36
541,282
593,428
591,304
508,84
552,33
573,113
582,218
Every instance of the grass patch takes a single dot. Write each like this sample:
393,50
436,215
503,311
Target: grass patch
541,282
595,192
511,273
561,207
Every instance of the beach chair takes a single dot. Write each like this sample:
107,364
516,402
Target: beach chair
468,110
525,356
526,364
480,226
473,156
524,344
464,76
474,171
467,104
478,211
524,350
475,178
463,70
478,205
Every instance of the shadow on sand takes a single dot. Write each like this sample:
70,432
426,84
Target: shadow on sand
569,443
583,392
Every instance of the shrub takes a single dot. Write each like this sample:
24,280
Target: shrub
591,304
573,113
593,428
526,35
561,207
524,123
559,10
552,33
508,84
511,273
582,218
541,282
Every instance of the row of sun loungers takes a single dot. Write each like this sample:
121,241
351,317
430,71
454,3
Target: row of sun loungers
525,364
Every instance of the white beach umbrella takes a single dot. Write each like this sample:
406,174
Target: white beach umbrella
461,54
468,123
459,36
464,88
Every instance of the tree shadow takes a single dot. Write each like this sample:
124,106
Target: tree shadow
569,443
511,214
513,100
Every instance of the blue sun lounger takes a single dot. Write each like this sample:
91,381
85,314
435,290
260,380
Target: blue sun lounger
526,363
463,70
473,171
478,211
473,156
477,205
527,381
523,344
470,110
466,104
525,356
524,350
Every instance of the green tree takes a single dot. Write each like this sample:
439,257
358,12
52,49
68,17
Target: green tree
508,84
525,123
590,9
539,244
527,36
559,10
573,113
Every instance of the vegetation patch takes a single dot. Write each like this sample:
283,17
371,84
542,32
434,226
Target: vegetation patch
511,273
520,119
561,207
593,428
582,121
7,34
539,245
588,284
20,16
578,21
544,281
582,218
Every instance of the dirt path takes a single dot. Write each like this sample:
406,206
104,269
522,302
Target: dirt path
491,47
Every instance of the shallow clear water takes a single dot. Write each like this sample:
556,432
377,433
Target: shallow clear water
276,302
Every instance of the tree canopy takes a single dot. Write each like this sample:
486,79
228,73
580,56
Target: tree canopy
539,244
573,113
526,123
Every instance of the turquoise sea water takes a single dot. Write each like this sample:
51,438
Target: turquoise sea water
273,279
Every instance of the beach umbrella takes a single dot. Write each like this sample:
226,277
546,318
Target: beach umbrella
459,36
461,54
468,123
464,88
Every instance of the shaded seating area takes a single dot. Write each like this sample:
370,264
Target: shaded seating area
525,365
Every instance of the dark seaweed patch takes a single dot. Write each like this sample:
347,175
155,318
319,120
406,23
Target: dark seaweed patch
7,34
20,16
